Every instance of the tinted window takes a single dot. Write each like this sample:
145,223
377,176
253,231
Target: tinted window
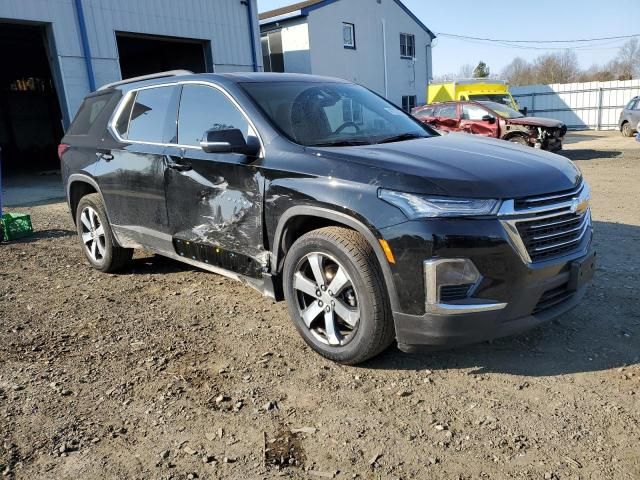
153,118
473,112
87,115
204,108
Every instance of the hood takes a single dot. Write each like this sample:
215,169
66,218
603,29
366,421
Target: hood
536,122
455,165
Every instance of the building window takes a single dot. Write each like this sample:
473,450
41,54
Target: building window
272,52
349,35
408,103
407,45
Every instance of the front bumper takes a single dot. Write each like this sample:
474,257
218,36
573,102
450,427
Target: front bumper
513,295
439,330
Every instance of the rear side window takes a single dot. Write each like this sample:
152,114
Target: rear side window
122,124
426,112
153,117
204,108
89,111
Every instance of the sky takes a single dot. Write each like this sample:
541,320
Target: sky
542,20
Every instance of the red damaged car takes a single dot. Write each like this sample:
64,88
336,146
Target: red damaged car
495,120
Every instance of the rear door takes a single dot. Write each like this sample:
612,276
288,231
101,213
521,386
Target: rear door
131,174
214,201
472,121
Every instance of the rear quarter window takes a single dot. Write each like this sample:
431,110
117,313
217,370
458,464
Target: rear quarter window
88,113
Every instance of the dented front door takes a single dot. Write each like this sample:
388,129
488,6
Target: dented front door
214,201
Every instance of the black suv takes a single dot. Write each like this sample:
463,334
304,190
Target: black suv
318,191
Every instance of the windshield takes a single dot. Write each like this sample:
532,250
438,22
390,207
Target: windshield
503,110
502,98
332,114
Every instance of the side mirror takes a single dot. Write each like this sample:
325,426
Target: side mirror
489,119
229,141
524,111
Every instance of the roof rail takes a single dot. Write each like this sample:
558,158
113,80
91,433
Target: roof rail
170,73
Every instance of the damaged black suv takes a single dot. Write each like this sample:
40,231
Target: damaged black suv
372,226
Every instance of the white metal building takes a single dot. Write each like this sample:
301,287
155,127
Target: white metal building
56,51
380,44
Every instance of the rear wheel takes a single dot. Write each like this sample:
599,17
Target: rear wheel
98,242
336,295
626,130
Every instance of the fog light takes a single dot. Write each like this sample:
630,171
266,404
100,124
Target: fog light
448,272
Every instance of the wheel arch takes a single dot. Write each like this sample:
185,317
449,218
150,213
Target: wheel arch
312,218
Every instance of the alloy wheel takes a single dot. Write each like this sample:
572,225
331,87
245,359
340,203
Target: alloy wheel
326,299
93,236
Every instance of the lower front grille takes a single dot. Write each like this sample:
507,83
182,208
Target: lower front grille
454,292
552,298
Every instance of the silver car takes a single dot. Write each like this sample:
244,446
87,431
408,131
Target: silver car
630,117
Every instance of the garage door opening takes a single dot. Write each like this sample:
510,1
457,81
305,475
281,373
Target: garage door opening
30,117
145,54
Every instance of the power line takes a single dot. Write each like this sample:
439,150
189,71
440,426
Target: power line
581,40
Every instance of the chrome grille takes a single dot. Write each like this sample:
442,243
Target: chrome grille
549,226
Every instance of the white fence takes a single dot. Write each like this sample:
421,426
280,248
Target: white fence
590,105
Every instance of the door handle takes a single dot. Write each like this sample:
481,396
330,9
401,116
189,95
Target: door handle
106,156
180,166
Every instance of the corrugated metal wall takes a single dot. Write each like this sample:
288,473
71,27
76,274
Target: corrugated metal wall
223,23
590,105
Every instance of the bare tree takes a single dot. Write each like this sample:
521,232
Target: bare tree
560,67
628,60
466,71
518,72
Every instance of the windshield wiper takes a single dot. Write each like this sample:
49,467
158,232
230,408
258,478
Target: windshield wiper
341,143
401,137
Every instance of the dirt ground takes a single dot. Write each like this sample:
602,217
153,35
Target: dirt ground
165,371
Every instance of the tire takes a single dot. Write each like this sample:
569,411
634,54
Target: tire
96,237
363,323
626,130
519,139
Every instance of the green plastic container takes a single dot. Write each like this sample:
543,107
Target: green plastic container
16,225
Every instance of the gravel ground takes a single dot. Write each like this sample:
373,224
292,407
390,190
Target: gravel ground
165,371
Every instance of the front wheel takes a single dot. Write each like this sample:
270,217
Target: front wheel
519,139
336,295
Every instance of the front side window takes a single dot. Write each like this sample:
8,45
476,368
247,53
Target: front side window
407,45
503,110
473,112
349,35
408,103
153,117
332,114
204,108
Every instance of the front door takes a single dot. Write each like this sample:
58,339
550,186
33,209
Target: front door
472,121
131,174
214,201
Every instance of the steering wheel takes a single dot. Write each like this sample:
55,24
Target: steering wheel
346,125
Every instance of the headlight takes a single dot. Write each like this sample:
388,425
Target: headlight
418,206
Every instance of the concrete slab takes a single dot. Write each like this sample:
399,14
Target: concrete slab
29,190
